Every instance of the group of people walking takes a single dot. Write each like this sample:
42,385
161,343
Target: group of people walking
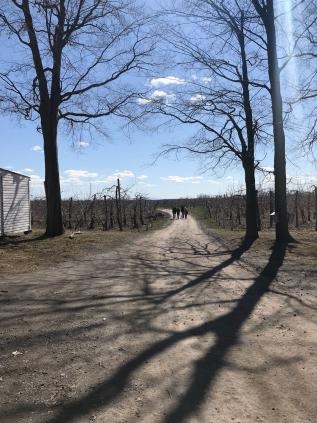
180,211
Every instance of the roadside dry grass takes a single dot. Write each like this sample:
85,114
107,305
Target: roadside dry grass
301,254
26,253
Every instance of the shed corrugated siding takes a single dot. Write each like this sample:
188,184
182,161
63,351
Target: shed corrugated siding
1,225
16,205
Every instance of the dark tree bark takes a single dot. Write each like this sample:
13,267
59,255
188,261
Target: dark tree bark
48,104
54,220
266,13
251,202
248,153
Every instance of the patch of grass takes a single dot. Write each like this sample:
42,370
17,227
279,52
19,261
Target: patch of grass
207,223
304,251
26,253
301,254
162,221
201,214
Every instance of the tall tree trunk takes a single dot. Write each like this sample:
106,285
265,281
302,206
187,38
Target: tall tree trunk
251,202
54,221
267,15
248,150
281,228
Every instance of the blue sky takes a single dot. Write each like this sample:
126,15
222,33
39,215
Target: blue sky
92,165
95,164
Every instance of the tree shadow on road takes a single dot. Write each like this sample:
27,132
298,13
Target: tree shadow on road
226,330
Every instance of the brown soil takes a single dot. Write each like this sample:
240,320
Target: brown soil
175,327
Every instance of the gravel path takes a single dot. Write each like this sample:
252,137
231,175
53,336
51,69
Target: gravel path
173,328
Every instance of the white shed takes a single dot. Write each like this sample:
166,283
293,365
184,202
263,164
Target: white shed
15,210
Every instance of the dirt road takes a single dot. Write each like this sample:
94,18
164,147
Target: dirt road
171,329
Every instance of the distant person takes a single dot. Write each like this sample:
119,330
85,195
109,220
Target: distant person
185,212
178,210
182,211
174,211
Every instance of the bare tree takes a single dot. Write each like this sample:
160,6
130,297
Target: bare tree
265,10
72,67
225,98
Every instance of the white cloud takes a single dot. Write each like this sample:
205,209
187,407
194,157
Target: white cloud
83,144
303,180
77,177
119,174
124,174
37,148
214,181
144,100
163,95
37,181
181,179
267,168
148,185
204,79
141,177
78,174
197,98
167,80
157,95
28,170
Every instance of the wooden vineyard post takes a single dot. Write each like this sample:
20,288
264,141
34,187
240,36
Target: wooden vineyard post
111,214
118,204
92,213
271,209
70,208
141,211
296,209
258,216
105,225
124,212
315,208
238,211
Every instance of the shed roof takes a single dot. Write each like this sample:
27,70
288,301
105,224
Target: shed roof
15,173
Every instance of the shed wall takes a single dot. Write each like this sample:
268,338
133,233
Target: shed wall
15,204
